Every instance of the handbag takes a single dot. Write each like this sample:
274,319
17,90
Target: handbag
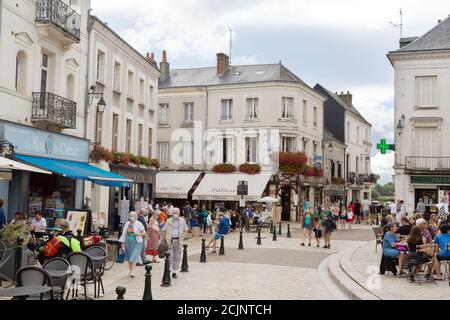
121,256
162,249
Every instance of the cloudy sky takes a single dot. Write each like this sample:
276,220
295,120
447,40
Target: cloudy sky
341,44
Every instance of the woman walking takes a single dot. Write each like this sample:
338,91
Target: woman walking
307,226
328,227
132,240
153,237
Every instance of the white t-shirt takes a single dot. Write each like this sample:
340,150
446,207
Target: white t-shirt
366,205
39,226
440,205
393,208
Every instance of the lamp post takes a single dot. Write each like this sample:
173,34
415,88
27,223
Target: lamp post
100,110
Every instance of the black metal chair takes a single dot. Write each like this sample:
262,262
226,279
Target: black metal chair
35,276
2,248
98,256
59,283
84,273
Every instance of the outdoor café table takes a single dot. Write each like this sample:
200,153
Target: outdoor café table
57,274
23,292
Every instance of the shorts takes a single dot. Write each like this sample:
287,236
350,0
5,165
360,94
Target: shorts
317,233
217,236
365,213
343,218
442,258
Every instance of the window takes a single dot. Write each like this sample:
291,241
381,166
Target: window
128,135
305,146
347,164
21,73
316,148
188,112
141,92
130,90
140,139
44,72
163,154
252,109
357,135
99,133
251,146
427,142
305,111
288,144
357,165
287,108
101,57
117,76
151,97
340,170
115,132
226,150
70,92
316,118
226,112
163,113
349,131
333,169
150,143
188,146
426,91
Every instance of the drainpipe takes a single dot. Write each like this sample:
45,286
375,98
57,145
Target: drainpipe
90,25
205,142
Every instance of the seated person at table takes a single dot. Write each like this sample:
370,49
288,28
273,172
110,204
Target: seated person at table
443,240
392,247
38,225
20,218
415,240
426,234
405,227
234,220
61,245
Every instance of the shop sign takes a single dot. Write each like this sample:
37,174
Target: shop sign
136,176
35,142
430,180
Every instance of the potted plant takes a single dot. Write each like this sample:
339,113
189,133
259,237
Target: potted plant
99,153
121,159
249,168
224,168
11,232
319,172
144,161
154,163
308,171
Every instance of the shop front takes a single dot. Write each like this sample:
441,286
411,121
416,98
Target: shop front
142,185
176,187
431,189
65,157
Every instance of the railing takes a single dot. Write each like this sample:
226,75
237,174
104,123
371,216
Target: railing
313,180
60,14
427,165
53,109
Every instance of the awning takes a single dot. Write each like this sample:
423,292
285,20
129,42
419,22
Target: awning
78,171
9,164
175,185
223,187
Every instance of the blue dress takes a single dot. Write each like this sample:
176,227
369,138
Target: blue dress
388,241
133,249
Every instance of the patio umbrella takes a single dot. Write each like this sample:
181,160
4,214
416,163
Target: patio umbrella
268,200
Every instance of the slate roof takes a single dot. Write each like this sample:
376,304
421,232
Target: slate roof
327,134
197,77
438,38
351,108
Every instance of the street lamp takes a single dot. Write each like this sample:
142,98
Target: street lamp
330,147
401,125
101,107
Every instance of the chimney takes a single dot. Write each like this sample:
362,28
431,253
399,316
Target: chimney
164,66
223,62
347,98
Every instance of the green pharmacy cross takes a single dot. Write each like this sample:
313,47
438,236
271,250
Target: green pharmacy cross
383,146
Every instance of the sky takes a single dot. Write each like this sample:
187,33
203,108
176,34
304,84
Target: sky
341,44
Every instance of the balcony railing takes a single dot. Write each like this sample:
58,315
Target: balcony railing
427,165
54,110
59,14
313,180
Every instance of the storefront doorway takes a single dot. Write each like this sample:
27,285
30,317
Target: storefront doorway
286,195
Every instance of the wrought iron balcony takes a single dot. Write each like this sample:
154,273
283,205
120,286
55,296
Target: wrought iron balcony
60,15
427,165
52,110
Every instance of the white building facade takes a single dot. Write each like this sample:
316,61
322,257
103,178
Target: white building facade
422,75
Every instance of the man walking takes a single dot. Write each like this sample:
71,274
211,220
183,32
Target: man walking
421,207
141,219
175,230
187,213
366,209
358,211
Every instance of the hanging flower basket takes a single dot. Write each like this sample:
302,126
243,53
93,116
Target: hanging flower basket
224,168
308,171
250,168
99,153
120,158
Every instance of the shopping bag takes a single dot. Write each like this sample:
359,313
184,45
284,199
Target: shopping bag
121,256
162,249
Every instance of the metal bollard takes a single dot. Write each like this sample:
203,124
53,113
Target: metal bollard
203,254
184,264
241,242
121,293
259,242
166,276
148,284
274,234
279,230
289,231
222,246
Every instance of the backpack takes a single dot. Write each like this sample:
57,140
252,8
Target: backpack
52,247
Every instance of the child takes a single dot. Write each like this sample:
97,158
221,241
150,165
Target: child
343,218
317,230
350,217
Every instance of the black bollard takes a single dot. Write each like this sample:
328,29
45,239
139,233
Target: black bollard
184,264
121,293
289,231
279,230
166,276
274,234
241,242
259,242
203,254
204,228
222,246
148,284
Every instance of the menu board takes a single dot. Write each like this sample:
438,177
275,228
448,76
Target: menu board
124,210
77,221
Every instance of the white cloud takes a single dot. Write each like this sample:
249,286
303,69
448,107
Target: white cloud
382,164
